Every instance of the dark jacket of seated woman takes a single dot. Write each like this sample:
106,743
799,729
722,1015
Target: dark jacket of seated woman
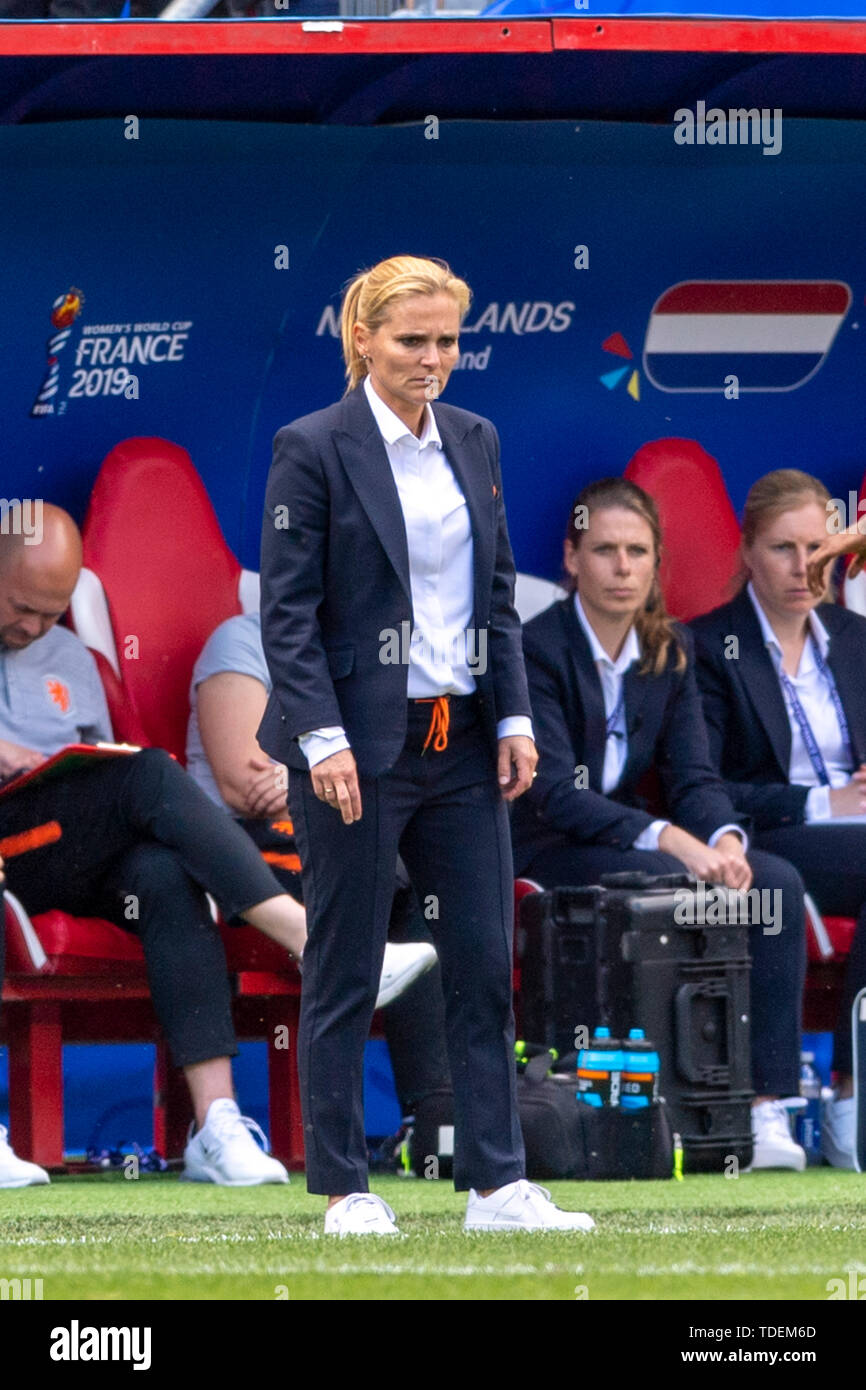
749,730
665,731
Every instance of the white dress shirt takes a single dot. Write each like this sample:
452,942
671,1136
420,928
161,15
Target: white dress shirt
443,650
813,692
611,674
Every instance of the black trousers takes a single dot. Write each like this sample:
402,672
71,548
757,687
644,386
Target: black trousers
414,1024
141,844
832,862
444,815
778,961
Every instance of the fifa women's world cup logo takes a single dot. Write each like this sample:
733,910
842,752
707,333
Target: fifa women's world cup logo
64,312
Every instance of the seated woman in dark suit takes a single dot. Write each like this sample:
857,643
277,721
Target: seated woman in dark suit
613,695
782,679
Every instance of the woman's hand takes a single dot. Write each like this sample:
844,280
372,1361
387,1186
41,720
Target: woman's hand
850,800
850,542
335,781
14,757
518,756
726,864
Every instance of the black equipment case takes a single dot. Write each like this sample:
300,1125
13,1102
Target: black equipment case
614,953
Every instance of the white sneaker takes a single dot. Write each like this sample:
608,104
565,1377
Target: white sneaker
838,1131
360,1214
772,1144
521,1206
404,962
224,1151
15,1171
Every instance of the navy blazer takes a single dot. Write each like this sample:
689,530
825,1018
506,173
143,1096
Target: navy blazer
750,736
335,582
665,731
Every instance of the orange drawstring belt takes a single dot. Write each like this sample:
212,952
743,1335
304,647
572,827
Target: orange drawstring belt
439,721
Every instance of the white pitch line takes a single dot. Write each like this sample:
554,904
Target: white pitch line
284,1274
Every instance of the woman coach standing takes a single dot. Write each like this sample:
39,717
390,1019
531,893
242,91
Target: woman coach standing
401,709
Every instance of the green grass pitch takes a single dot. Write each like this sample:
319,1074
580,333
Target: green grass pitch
761,1236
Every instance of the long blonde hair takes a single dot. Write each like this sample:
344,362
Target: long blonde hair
653,624
780,491
369,297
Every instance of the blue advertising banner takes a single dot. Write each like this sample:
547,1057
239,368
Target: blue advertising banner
703,279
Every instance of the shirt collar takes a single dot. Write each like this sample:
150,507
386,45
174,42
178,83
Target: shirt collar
630,648
816,627
394,430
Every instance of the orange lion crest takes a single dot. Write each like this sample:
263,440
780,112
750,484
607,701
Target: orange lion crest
58,693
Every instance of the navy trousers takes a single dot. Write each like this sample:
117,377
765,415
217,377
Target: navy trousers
778,960
444,814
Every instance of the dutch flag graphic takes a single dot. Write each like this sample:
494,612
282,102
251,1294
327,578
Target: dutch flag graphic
772,335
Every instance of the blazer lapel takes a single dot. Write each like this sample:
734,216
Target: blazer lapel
845,659
638,692
365,459
465,451
591,696
760,682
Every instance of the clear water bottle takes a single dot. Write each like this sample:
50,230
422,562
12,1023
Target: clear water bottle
807,1122
599,1070
640,1071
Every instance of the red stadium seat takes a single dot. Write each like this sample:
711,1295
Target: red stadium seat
157,571
699,563
701,534
81,979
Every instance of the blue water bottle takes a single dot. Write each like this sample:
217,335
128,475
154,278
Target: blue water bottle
640,1071
599,1070
807,1122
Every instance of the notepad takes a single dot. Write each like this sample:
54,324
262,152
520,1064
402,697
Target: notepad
69,759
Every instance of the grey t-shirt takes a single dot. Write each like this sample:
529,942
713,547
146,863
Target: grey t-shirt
236,645
51,694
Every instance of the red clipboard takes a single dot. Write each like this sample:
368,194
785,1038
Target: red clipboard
68,759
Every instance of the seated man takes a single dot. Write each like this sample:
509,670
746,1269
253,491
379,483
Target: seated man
230,687
140,845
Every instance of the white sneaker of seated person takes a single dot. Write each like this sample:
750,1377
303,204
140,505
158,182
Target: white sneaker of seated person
15,1171
521,1206
839,1131
360,1214
223,1151
404,961
772,1144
